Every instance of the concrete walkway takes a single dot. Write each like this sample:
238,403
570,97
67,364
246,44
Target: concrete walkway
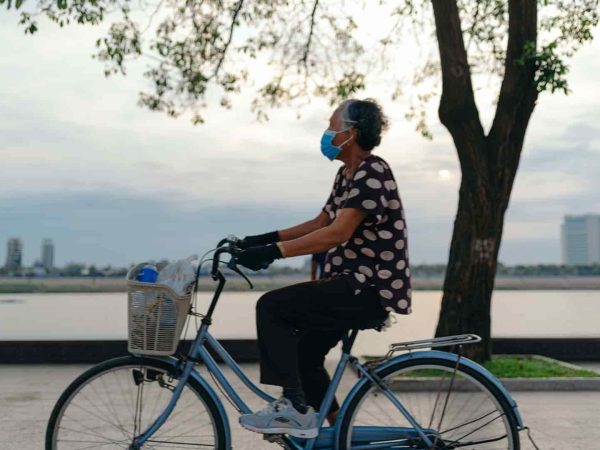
558,420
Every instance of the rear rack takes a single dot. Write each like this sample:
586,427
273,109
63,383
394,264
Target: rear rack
446,341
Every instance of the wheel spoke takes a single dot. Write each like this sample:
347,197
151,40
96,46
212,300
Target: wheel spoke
167,443
94,443
481,427
468,423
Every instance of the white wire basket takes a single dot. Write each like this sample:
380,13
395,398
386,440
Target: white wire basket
155,316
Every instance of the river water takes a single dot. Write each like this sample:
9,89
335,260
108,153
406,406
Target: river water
81,316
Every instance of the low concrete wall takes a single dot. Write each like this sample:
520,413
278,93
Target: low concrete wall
245,350
74,352
571,349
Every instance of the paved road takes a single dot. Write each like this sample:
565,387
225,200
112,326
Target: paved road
559,420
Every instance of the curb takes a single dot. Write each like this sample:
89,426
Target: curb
551,384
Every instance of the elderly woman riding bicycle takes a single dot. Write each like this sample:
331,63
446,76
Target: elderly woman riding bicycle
362,227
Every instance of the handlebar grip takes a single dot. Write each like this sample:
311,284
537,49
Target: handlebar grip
232,249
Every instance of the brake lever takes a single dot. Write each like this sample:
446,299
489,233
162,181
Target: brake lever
231,264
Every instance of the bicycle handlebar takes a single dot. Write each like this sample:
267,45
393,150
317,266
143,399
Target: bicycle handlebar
230,248
233,249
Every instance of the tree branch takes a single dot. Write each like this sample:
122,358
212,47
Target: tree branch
518,92
156,9
310,33
457,110
236,12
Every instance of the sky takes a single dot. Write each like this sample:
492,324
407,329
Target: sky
112,183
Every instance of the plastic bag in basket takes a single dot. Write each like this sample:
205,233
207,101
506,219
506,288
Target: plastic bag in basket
179,275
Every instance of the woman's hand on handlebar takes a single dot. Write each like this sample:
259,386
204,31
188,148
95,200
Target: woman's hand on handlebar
228,245
253,257
258,257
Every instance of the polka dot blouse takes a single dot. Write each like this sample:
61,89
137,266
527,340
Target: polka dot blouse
377,252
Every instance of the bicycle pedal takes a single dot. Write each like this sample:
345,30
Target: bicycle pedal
272,437
276,439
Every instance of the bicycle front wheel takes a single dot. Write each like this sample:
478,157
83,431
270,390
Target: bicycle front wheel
454,405
115,401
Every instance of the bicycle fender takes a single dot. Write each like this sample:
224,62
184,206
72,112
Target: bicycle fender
425,355
211,392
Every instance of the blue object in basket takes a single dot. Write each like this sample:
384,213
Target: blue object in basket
148,274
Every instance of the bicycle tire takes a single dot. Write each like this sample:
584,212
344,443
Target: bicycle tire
344,441
217,420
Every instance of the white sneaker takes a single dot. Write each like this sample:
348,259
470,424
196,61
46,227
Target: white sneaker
280,417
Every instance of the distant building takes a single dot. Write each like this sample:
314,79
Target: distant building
48,254
38,269
14,254
580,236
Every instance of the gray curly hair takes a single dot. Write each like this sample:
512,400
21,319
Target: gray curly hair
368,118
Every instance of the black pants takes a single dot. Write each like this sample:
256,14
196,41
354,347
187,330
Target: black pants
297,326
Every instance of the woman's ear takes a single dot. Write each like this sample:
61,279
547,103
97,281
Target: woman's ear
355,133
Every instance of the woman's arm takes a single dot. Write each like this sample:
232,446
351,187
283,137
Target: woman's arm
326,237
287,234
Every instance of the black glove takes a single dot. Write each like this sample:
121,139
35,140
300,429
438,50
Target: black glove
259,257
259,239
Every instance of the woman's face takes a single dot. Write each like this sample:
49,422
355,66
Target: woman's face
336,124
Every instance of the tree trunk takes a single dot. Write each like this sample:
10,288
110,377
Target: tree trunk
469,281
488,164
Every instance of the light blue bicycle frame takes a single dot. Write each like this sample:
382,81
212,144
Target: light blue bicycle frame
327,435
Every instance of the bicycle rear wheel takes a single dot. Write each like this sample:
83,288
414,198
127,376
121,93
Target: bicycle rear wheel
455,406
117,400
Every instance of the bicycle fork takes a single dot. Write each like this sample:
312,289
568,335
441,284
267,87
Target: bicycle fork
139,441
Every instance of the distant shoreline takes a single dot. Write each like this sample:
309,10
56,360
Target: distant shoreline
263,283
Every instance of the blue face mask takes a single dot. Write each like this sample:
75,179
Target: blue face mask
329,150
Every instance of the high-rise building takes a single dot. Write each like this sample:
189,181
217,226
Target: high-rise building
580,236
14,254
48,254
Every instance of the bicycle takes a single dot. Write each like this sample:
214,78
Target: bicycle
424,399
